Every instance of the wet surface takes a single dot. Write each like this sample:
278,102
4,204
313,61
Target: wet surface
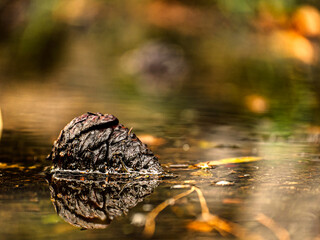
284,187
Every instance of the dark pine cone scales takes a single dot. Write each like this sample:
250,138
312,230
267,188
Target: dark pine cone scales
97,142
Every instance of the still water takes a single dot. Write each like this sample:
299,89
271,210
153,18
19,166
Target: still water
274,198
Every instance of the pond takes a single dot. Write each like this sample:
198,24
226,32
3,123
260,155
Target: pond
276,195
231,84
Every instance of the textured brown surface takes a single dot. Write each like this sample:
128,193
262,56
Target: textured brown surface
97,142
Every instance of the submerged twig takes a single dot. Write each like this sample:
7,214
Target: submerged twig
150,221
206,222
203,203
280,232
221,225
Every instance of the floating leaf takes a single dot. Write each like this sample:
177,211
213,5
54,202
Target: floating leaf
224,161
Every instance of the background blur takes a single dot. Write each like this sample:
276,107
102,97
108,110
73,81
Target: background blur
161,61
197,80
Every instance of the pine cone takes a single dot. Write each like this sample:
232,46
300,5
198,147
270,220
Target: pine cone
97,142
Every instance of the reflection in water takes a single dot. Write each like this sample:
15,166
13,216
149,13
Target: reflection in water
94,203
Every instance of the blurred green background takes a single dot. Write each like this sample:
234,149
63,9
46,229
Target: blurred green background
167,61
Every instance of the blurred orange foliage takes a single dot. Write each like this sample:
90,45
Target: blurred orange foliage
76,11
306,20
288,43
256,103
175,16
289,35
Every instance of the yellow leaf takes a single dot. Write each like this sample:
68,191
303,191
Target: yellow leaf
226,161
